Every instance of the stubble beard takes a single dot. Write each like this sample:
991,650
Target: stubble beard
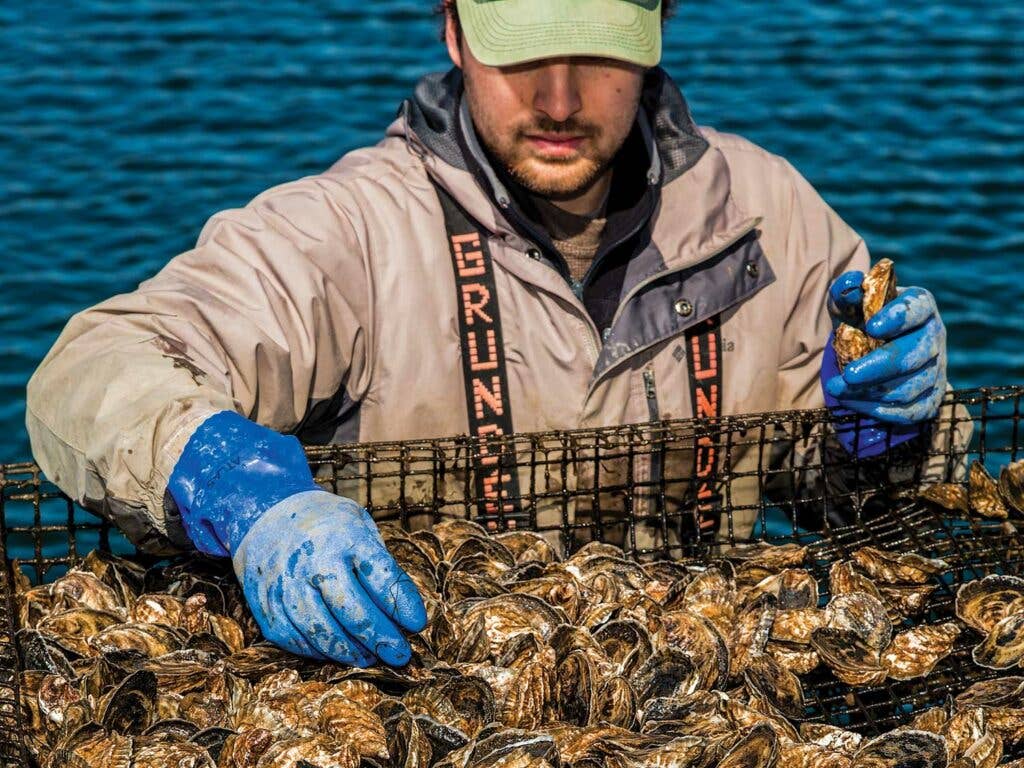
548,177
551,177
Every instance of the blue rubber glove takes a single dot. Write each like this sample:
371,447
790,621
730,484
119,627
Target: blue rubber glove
312,565
902,383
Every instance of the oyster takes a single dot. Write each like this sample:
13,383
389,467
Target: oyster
905,748
983,493
798,659
969,738
983,603
1011,485
891,568
758,749
1004,646
851,659
851,344
862,614
906,600
771,682
770,557
506,615
844,577
831,737
796,624
951,496
915,652
82,589
712,594
702,641
669,671
879,288
750,633
998,692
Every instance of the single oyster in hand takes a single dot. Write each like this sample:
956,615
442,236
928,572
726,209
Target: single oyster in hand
879,289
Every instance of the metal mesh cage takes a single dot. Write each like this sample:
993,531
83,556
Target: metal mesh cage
650,488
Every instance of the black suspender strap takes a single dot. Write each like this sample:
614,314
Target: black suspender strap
484,368
704,346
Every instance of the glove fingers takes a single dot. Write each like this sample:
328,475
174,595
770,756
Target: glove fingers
903,390
905,355
392,590
276,625
911,309
316,624
845,296
922,409
357,612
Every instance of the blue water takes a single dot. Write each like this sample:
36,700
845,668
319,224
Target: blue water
124,125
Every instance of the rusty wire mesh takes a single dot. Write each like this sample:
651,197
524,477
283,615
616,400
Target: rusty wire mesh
779,478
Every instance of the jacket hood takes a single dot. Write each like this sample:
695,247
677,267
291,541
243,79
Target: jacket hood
432,114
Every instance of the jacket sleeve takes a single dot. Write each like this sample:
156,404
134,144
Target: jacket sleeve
821,246
267,314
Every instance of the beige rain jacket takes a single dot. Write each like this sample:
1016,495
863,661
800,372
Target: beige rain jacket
326,307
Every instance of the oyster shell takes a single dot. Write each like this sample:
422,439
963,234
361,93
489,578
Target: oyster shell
614,703
798,659
1011,485
891,568
903,747
750,634
983,603
831,737
844,578
796,624
951,496
669,671
879,287
851,344
759,748
915,652
906,600
702,641
862,614
983,493
851,659
770,681
998,692
1004,646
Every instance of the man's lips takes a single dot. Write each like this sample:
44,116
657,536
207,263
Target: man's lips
555,144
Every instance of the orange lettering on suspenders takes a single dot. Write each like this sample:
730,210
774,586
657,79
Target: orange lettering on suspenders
483,358
705,388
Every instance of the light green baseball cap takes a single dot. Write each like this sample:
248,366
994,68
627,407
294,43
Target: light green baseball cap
505,32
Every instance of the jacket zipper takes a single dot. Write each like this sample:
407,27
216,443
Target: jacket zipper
651,393
653,412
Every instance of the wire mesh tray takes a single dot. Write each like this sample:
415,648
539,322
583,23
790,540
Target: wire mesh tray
778,479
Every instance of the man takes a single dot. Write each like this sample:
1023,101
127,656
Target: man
554,173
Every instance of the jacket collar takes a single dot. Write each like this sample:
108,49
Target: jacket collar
696,212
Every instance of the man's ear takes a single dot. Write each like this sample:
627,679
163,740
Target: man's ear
453,37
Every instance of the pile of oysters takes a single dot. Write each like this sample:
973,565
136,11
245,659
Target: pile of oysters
983,496
530,660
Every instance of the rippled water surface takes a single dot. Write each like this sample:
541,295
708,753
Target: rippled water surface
124,125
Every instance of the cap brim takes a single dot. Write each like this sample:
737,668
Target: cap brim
506,32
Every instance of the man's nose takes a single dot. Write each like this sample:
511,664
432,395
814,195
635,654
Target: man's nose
557,93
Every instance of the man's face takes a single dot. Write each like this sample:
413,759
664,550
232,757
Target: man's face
555,124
